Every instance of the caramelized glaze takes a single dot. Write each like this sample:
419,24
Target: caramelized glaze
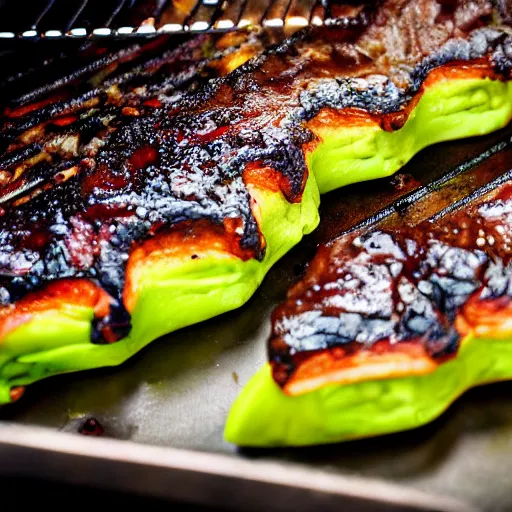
413,291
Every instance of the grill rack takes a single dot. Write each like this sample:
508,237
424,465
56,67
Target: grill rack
57,19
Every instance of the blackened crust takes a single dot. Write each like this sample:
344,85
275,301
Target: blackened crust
428,285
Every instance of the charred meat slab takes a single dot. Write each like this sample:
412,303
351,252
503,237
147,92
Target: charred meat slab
160,194
406,298
388,327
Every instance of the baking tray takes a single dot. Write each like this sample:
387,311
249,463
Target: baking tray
164,410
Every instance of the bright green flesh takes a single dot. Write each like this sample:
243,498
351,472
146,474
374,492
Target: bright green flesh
264,416
177,296
448,110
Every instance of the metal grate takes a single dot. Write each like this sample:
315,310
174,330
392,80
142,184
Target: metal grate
54,19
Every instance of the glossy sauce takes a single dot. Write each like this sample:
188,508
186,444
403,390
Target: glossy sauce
414,291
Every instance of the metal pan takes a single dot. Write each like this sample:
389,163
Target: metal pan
201,478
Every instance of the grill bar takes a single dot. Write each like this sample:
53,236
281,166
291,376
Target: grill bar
56,19
300,12
204,16
452,190
254,12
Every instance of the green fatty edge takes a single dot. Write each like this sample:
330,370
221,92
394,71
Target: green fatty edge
263,416
448,110
175,297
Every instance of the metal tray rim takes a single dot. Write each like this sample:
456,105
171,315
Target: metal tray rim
62,456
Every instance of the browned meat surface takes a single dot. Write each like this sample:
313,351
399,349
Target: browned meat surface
391,302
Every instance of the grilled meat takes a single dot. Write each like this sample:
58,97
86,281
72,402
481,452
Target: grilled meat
85,178
392,323
397,302
70,160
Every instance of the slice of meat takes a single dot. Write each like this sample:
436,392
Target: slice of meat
52,229
397,302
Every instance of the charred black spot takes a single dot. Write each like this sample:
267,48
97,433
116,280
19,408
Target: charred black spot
91,427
